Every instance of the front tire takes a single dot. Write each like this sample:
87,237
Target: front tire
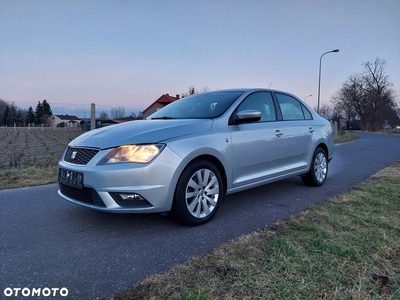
198,193
318,169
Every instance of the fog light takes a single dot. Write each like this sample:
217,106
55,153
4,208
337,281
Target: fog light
131,197
130,200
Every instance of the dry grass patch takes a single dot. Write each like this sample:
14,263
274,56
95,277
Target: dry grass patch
28,176
344,136
346,248
390,171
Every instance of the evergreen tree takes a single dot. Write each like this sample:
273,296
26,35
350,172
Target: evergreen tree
5,114
43,112
30,117
20,118
10,115
3,106
46,108
38,113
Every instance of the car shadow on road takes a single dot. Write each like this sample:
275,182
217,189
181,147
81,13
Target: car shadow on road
232,205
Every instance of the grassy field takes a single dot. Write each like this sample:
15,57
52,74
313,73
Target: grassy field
345,248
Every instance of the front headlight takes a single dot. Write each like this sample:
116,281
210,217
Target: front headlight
139,154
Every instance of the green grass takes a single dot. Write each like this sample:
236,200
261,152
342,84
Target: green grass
27,176
346,248
343,137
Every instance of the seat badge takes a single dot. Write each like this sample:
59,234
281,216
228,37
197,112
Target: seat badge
73,155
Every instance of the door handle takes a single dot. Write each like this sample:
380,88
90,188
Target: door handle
311,130
278,133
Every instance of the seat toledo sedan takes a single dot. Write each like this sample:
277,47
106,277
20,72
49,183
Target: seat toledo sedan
187,156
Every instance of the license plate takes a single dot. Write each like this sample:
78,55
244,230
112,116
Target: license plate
71,178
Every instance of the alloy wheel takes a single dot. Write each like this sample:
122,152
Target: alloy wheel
320,167
202,193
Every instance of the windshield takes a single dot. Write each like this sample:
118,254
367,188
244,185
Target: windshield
199,106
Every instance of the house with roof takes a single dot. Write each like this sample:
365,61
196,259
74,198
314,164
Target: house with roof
68,120
164,100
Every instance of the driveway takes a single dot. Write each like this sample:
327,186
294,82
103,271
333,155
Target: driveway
46,241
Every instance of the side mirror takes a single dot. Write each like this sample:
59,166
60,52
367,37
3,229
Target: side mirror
247,116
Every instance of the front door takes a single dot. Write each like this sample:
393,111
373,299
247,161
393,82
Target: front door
258,148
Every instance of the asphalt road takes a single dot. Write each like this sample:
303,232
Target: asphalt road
46,241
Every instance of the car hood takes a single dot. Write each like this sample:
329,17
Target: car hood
140,132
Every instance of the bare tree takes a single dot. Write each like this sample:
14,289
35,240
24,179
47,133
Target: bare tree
326,112
367,96
192,90
348,101
117,112
205,89
132,116
379,94
104,115
140,116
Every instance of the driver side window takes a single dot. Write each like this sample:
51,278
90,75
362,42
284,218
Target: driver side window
261,101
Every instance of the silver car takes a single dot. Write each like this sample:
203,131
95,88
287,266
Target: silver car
188,155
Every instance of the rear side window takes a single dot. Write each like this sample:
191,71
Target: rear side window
307,114
292,109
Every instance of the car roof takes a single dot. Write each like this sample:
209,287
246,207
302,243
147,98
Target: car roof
247,90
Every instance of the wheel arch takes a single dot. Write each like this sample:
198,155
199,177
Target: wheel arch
218,164
193,215
324,147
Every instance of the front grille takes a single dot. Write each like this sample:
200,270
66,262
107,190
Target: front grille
79,156
86,195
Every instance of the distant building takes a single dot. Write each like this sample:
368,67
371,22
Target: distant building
68,120
99,122
164,100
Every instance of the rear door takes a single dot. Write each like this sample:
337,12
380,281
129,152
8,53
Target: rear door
299,132
258,148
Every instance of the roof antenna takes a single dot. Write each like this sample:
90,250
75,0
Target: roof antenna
270,85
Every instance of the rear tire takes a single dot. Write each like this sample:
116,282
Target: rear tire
318,169
198,193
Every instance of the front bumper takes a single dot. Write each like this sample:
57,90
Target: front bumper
127,187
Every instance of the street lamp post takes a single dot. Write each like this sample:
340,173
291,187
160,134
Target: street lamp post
307,97
319,80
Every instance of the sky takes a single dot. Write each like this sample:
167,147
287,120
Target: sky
130,52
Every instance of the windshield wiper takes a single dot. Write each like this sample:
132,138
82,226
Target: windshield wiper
162,118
